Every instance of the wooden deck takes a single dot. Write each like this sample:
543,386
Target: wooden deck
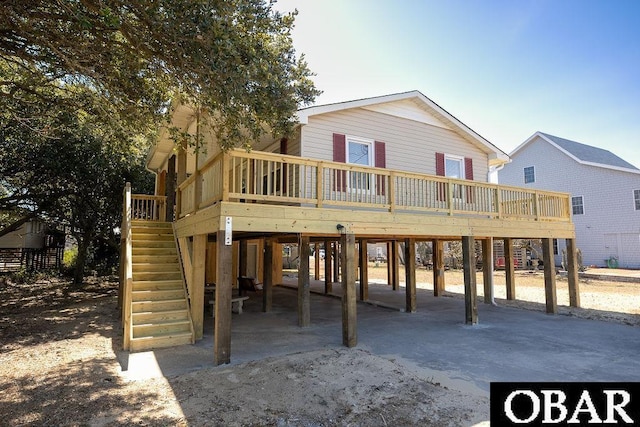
273,193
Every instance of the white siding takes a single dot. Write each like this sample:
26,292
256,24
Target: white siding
410,145
608,201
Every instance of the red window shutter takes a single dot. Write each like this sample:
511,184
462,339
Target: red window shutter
442,187
468,168
381,162
340,155
468,174
440,164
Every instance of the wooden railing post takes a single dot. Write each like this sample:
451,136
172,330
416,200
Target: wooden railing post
127,269
499,202
226,171
450,196
536,205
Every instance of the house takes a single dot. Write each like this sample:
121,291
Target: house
388,169
32,246
605,195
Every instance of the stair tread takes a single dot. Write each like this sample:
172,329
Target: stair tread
163,335
163,323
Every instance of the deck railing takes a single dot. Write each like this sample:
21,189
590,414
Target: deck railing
283,179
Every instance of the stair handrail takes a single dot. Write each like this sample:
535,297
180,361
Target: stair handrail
127,267
184,282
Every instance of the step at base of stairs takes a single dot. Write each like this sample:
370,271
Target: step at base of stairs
160,341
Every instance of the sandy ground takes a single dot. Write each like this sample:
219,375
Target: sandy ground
58,366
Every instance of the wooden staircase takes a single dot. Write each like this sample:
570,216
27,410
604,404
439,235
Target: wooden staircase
160,315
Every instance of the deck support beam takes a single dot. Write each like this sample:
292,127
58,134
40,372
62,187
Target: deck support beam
316,261
395,266
222,305
242,258
364,271
487,269
410,274
509,269
549,276
304,289
336,262
328,275
470,290
437,250
197,283
572,273
349,318
267,285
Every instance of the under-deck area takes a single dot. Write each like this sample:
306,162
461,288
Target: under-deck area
508,345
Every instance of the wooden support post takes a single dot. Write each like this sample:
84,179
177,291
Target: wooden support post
242,261
549,276
487,269
509,269
470,292
364,271
222,306
316,259
410,274
328,275
438,267
389,265
349,319
304,290
336,262
267,285
395,258
572,273
197,283
171,188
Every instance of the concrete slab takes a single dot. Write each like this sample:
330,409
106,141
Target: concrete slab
508,344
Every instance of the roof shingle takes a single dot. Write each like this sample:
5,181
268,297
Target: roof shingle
588,153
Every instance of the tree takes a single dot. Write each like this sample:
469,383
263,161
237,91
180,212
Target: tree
234,57
68,167
85,82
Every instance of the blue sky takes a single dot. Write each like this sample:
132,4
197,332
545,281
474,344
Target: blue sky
505,68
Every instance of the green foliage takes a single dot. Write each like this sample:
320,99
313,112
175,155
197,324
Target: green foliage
234,57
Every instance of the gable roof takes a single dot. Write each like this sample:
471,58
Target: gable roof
583,153
496,156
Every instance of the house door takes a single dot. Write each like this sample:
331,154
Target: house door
629,250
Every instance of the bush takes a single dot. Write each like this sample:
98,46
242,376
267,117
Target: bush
69,261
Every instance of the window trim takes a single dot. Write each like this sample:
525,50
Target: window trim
533,169
582,204
636,199
359,140
459,159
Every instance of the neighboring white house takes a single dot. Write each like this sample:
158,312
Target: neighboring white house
605,194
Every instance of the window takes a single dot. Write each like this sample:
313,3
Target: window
529,175
577,205
636,199
359,152
454,168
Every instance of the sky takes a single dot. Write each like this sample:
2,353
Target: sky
505,68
